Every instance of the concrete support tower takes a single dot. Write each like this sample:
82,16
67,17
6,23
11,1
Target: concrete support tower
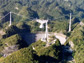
46,33
70,23
42,22
10,20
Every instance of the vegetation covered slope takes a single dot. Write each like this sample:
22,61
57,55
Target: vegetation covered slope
44,9
51,9
11,44
29,55
25,55
77,37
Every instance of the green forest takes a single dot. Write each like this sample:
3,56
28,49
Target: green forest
14,48
46,9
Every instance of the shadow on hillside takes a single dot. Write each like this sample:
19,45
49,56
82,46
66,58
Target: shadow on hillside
24,33
29,37
47,59
67,54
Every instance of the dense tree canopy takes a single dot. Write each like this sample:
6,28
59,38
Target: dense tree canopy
43,8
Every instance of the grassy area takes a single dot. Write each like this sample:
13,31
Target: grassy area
11,41
77,37
28,55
